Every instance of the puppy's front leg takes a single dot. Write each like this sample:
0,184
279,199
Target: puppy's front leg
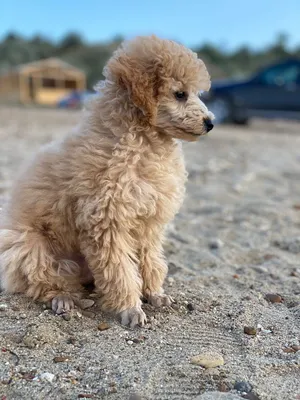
116,274
154,268
110,251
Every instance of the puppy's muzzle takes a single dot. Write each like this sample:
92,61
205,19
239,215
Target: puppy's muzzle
208,124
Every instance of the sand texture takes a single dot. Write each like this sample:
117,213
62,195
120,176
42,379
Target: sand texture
235,241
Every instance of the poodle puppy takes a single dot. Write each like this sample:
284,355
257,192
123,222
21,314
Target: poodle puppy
94,205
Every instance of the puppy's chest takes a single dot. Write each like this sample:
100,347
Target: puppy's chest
166,177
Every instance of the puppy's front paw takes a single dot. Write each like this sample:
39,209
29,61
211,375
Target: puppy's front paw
133,316
158,300
62,304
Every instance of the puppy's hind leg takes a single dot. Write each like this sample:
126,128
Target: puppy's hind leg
28,265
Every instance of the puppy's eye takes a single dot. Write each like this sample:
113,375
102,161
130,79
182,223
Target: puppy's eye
181,96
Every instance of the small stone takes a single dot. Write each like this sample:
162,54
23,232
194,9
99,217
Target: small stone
208,360
250,330
235,276
296,348
288,350
47,376
23,316
296,206
129,342
60,359
88,314
3,307
86,303
294,273
85,396
268,257
243,387
291,349
273,298
190,307
67,317
71,340
103,326
215,244
250,396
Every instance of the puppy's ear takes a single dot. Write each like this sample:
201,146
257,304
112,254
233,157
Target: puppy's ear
140,81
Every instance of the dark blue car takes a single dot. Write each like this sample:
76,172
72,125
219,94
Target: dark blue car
274,92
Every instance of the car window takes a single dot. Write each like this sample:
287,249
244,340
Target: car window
281,75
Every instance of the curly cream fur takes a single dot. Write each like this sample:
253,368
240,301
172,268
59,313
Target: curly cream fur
96,203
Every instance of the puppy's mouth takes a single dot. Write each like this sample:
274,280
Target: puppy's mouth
192,133
181,132
196,134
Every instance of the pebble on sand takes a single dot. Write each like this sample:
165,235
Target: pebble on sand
103,326
243,387
288,350
250,330
3,307
47,376
273,298
190,307
250,396
215,244
208,359
60,359
291,349
86,303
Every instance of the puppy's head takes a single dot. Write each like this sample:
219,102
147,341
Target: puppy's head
161,80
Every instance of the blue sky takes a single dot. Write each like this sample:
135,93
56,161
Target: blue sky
228,23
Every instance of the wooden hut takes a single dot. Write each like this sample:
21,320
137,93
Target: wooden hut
41,82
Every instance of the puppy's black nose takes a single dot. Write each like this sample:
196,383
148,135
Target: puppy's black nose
208,124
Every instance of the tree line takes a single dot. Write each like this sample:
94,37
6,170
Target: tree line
91,57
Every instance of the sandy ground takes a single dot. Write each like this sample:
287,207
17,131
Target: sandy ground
236,239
